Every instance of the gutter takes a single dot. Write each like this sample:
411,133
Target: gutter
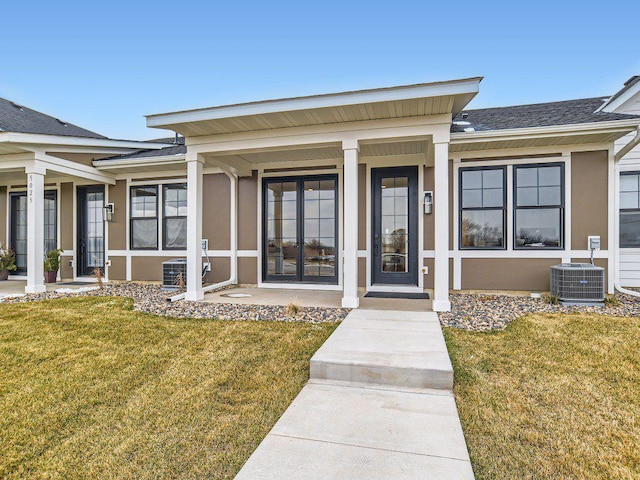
629,146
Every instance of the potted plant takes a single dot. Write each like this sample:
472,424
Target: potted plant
52,265
7,262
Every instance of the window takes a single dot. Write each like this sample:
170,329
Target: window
539,206
144,218
630,210
174,213
482,208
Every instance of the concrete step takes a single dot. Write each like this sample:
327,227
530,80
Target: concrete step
396,348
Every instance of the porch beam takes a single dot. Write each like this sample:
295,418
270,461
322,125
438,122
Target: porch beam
35,228
74,169
194,227
441,301
350,253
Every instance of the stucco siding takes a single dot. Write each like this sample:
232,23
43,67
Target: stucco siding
215,213
527,274
589,198
248,270
118,268
118,226
248,213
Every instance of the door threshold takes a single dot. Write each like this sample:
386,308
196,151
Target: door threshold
378,287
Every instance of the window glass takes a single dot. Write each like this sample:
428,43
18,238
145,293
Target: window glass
482,207
630,210
539,213
538,227
144,217
174,198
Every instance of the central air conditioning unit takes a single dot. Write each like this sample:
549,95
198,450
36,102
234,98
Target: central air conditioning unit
171,271
577,283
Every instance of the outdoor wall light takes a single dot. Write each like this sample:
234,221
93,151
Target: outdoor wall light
107,212
428,202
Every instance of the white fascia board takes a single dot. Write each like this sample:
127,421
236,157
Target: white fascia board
611,106
39,139
454,87
622,126
139,162
75,169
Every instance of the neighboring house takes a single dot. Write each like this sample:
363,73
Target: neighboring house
627,101
394,189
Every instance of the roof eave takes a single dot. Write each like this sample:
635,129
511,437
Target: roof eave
468,86
624,126
43,139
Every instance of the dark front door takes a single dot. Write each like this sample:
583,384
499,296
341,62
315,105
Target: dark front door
395,225
90,205
300,229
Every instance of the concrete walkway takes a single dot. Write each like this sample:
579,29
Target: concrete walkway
378,406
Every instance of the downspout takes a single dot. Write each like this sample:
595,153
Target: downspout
233,239
629,146
626,149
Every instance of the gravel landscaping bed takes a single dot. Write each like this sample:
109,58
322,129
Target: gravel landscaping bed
151,299
484,312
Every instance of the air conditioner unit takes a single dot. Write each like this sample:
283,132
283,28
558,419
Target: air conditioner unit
577,283
171,270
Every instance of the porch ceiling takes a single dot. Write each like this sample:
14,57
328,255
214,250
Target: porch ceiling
385,103
320,153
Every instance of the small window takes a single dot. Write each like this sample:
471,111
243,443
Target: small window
630,210
175,216
482,208
144,218
539,206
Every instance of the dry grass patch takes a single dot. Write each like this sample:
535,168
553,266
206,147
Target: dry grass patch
552,396
90,388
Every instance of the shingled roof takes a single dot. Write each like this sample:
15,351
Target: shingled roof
20,119
178,148
567,112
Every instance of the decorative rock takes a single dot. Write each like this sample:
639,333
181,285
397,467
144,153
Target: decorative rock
150,298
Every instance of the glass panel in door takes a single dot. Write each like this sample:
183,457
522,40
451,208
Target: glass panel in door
394,193
18,226
282,231
95,230
319,229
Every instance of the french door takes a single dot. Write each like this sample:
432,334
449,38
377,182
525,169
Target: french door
300,229
395,225
18,226
90,204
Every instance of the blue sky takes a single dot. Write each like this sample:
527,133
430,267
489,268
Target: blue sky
104,65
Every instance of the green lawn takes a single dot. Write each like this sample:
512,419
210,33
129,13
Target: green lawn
90,388
551,397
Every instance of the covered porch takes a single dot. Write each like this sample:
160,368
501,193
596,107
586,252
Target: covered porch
364,142
35,171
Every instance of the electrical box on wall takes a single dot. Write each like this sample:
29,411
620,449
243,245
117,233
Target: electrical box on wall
594,242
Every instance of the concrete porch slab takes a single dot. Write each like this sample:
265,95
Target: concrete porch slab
252,295
370,348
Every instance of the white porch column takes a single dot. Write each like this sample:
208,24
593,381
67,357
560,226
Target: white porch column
350,253
441,301
35,229
194,228
233,226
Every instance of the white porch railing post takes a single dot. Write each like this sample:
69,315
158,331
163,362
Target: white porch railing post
441,301
350,254
194,228
35,229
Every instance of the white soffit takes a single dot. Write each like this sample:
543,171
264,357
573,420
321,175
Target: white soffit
383,103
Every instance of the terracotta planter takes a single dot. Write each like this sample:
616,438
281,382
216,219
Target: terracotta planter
50,277
4,274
